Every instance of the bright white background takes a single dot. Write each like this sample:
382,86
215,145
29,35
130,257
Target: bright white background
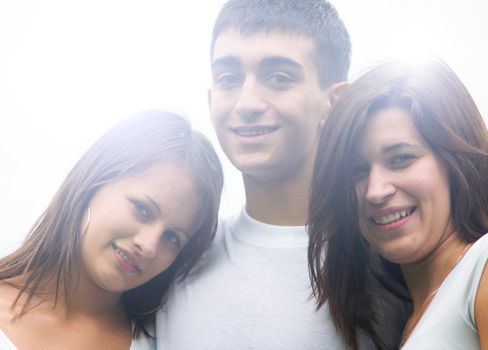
70,69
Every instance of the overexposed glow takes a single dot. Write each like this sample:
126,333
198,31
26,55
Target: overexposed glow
71,69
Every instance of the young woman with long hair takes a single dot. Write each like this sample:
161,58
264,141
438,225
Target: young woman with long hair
399,202
134,214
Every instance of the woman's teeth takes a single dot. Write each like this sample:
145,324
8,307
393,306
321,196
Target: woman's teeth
388,219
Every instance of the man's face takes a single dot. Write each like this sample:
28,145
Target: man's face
266,103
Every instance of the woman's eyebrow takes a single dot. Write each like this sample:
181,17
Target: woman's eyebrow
398,146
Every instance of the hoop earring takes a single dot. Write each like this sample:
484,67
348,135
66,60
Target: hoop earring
87,223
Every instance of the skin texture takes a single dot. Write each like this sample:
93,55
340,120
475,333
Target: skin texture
267,107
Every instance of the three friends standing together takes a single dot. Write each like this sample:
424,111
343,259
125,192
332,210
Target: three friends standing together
376,191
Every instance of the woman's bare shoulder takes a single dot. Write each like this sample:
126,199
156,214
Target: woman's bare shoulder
8,294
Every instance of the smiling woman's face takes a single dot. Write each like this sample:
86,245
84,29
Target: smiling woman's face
138,225
402,189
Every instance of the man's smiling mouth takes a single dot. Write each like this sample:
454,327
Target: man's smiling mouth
252,131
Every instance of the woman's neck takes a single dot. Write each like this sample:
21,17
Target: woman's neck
424,277
83,299
88,298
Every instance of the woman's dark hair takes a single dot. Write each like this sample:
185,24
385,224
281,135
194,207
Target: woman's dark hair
50,255
447,118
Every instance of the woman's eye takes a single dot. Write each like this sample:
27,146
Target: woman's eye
173,238
359,172
402,160
142,210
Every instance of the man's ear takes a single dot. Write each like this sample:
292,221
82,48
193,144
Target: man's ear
333,94
336,90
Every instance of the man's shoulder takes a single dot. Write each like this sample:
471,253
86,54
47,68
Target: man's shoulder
216,253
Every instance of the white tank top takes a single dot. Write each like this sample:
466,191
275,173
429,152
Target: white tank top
449,322
5,343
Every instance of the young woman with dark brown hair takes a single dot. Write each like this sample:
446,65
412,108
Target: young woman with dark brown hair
400,197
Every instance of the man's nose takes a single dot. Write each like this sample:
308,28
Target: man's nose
251,101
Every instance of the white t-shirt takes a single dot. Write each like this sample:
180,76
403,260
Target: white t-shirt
251,291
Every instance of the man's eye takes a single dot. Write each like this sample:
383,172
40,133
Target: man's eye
172,237
280,80
228,80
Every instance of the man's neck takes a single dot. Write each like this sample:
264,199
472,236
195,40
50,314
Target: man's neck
283,203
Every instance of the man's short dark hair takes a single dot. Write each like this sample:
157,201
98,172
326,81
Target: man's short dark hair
316,19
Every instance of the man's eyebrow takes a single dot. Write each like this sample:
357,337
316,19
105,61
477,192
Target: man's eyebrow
280,61
233,61
226,61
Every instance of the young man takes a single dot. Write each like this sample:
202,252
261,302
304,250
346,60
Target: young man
277,67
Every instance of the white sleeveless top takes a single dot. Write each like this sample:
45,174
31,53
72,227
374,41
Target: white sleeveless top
449,322
5,343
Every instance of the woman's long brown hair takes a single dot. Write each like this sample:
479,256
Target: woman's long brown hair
341,263
50,255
